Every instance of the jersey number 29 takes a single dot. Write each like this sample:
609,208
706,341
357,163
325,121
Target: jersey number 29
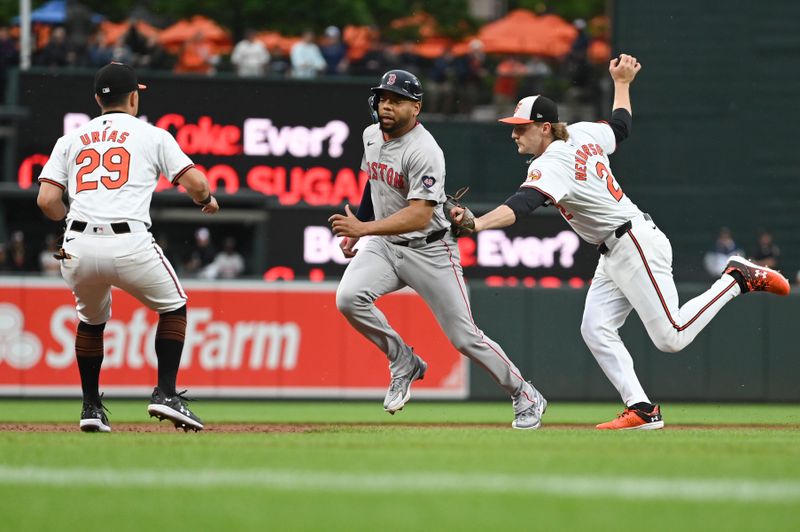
116,159
603,172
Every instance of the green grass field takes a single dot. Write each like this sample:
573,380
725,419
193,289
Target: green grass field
273,465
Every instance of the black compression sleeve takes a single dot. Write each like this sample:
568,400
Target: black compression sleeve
365,211
621,122
525,201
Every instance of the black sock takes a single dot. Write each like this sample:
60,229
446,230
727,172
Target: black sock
89,368
736,274
89,352
169,346
169,359
644,407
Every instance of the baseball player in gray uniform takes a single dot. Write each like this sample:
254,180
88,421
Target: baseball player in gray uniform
571,171
402,206
109,169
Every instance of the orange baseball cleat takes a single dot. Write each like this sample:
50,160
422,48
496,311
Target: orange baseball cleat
633,418
757,278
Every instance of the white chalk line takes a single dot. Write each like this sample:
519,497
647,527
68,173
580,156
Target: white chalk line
654,488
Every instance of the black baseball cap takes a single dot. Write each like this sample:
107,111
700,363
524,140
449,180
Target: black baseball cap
533,109
116,78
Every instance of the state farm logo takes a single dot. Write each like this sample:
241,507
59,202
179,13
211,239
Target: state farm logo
211,344
18,349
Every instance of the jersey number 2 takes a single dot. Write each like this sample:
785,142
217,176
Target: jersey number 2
116,159
603,171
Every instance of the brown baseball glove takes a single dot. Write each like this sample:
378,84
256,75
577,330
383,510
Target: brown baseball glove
462,220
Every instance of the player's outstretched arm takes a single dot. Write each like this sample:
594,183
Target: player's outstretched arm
196,185
501,216
623,70
50,202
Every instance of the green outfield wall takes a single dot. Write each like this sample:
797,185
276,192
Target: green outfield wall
748,353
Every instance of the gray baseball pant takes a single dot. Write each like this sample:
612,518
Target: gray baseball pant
434,272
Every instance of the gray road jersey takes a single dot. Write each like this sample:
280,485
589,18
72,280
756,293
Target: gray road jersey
402,169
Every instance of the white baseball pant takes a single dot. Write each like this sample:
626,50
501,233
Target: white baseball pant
636,273
131,261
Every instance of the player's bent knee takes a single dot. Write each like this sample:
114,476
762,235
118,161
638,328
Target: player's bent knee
590,331
667,344
172,325
349,301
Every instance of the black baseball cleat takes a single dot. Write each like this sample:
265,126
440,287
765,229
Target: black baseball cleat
174,409
93,417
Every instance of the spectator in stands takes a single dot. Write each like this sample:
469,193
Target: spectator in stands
5,265
407,59
334,51
18,254
155,57
203,253
470,74
56,52
578,58
9,57
509,72
536,73
134,40
766,253
48,264
307,60
717,257
250,56
228,264
79,27
196,57
279,64
374,63
99,53
440,94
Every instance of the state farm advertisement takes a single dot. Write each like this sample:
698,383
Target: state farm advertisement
242,340
290,140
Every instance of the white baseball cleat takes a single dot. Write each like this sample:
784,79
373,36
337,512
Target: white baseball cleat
400,388
530,417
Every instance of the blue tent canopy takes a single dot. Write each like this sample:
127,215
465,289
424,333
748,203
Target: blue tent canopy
54,12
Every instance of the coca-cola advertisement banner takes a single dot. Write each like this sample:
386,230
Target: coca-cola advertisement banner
242,340
294,141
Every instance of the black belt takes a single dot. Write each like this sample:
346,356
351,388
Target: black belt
619,231
433,237
118,227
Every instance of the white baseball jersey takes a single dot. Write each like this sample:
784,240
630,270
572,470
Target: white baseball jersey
402,169
576,176
111,166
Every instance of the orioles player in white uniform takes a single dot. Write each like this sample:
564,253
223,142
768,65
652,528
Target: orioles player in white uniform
109,169
571,170
403,205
